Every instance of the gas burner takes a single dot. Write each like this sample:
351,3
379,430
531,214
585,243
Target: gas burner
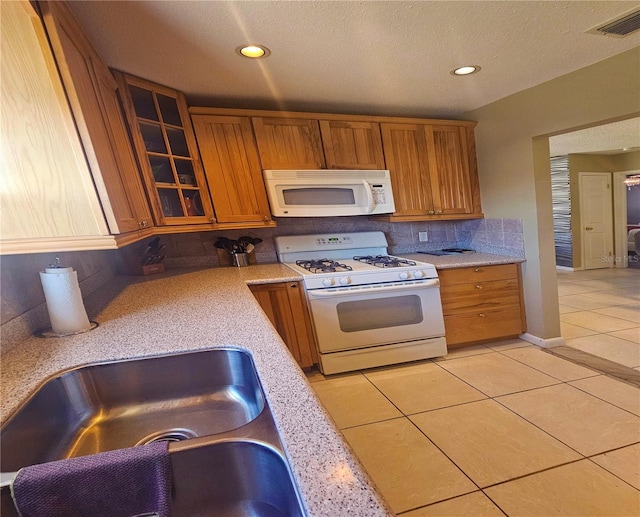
322,265
384,261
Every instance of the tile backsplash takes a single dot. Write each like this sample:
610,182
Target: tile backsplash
23,310
500,236
22,307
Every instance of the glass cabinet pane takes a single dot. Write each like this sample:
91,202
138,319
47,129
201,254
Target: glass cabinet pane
177,142
161,167
152,136
170,201
169,110
186,174
143,103
192,202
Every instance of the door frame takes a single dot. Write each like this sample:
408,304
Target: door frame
611,262
621,246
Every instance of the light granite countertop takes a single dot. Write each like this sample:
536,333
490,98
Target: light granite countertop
185,310
209,308
458,260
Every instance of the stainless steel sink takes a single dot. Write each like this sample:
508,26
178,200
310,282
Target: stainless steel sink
233,479
121,404
226,454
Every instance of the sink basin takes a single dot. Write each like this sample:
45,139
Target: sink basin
121,404
233,479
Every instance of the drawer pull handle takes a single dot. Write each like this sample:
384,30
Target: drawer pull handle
477,270
479,287
482,315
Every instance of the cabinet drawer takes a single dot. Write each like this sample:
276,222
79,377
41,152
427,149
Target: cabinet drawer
478,274
480,326
478,296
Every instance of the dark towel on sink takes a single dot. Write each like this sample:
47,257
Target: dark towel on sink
120,483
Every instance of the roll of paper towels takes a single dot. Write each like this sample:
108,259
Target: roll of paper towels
64,300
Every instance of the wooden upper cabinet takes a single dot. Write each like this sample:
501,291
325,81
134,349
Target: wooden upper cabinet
450,170
167,152
48,198
406,153
91,91
232,167
352,145
288,143
433,171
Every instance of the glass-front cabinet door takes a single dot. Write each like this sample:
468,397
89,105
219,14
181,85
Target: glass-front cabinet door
165,144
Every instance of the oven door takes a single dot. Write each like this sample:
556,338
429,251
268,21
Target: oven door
363,316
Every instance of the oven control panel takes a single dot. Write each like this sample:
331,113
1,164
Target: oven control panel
334,241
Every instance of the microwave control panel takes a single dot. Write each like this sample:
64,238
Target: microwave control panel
379,194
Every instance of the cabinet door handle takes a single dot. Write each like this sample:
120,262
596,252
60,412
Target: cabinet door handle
431,212
479,286
589,228
477,270
482,315
293,286
438,212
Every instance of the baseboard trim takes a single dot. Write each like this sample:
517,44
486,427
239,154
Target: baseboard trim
565,268
541,342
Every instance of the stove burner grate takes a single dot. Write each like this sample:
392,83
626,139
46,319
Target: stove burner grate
322,266
384,261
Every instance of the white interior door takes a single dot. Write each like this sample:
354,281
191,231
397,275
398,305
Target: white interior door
596,216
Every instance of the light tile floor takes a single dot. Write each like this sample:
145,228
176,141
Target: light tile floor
600,313
492,430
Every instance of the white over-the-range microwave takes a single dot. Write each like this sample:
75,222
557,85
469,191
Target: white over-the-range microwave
328,192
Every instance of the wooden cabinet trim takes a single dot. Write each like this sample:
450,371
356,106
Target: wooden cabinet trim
202,110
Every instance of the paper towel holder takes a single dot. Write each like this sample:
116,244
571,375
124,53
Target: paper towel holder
72,287
51,333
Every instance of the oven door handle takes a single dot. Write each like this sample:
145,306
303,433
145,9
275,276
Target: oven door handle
369,191
351,291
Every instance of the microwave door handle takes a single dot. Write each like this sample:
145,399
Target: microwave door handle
322,293
369,191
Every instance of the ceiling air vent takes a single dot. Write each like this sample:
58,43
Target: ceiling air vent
620,26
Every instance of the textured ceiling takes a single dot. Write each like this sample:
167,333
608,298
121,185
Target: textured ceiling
605,139
378,57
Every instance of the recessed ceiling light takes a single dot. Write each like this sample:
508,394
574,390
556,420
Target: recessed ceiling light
253,51
466,70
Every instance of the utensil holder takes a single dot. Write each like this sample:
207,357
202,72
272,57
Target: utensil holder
240,259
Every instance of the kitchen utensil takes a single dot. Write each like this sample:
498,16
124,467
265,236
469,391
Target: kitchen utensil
240,259
252,240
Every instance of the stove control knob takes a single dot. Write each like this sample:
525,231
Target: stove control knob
345,280
419,274
328,282
403,275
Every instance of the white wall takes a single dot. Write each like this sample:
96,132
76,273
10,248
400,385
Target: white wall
513,161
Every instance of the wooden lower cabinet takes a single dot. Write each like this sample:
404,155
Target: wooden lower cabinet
285,305
482,303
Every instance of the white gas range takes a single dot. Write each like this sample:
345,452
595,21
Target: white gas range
368,308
